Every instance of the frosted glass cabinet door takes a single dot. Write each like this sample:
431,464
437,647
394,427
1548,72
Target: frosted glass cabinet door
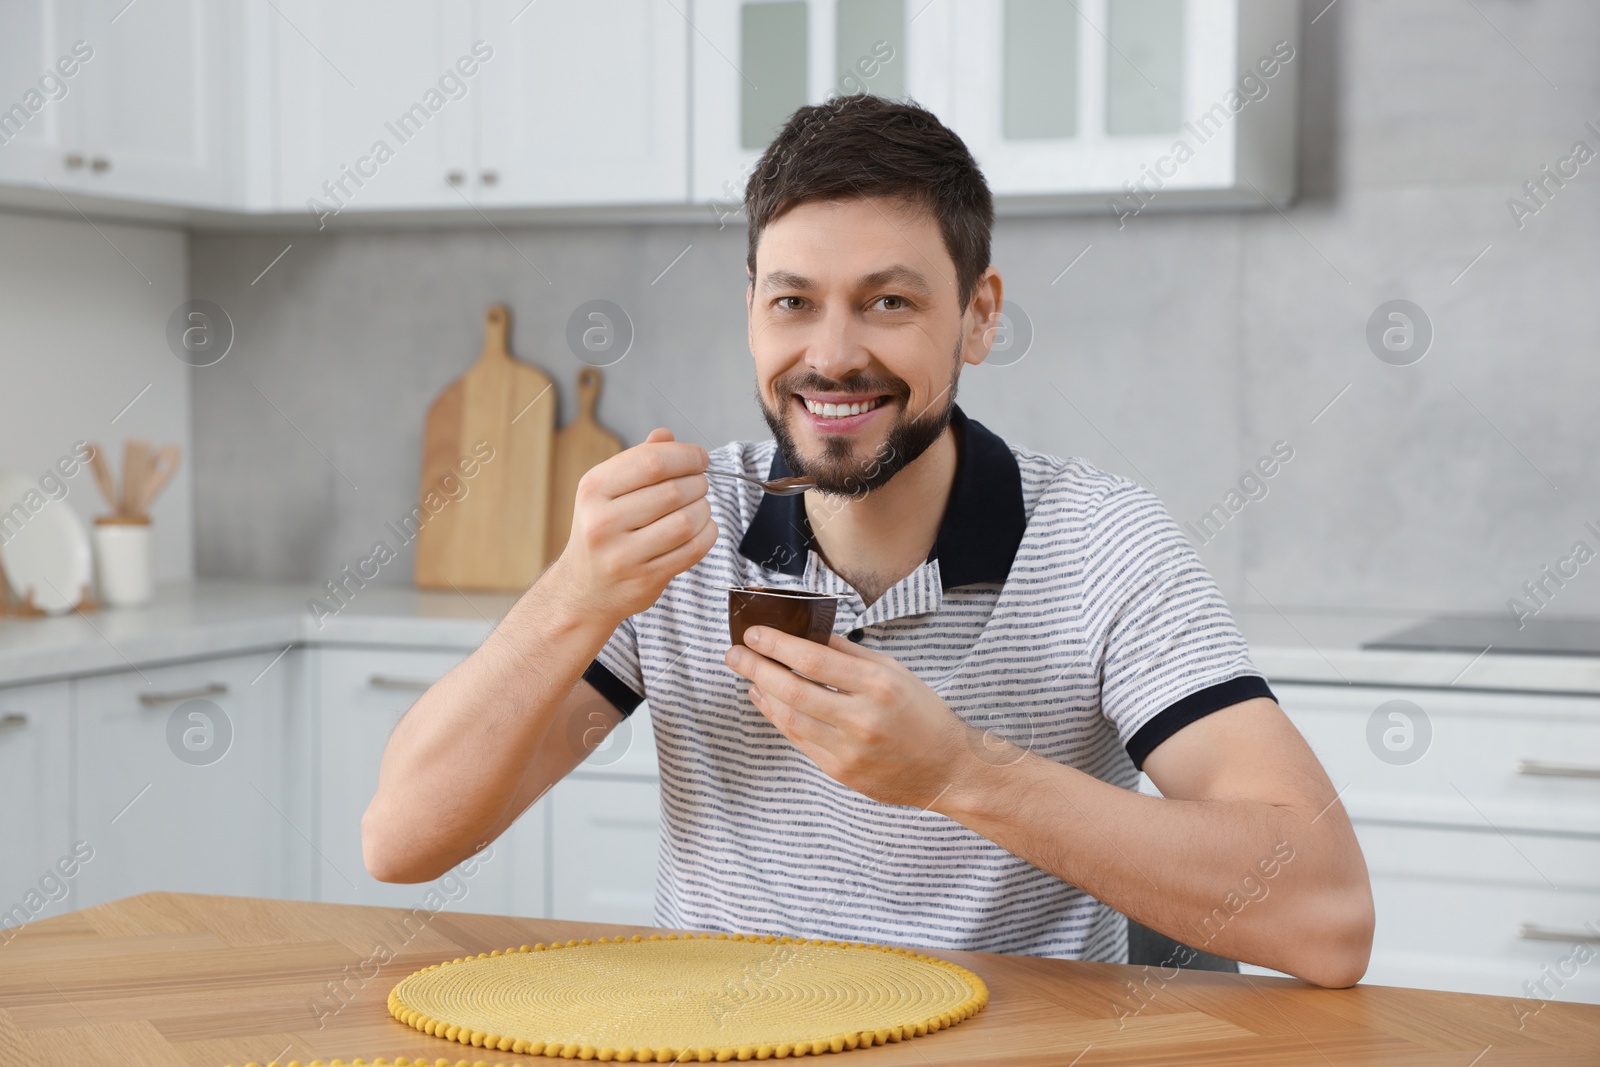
584,102
373,110
755,61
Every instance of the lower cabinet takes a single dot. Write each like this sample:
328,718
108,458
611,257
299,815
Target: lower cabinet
604,834
1479,816
362,693
180,780
39,873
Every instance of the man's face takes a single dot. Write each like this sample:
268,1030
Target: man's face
858,337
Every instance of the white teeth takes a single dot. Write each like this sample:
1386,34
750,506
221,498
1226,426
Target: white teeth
839,411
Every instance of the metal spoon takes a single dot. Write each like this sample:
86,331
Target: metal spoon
777,486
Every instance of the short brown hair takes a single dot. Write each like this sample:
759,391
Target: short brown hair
860,145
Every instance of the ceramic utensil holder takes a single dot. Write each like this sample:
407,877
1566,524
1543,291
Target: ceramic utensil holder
124,559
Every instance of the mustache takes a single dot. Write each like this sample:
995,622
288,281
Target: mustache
811,382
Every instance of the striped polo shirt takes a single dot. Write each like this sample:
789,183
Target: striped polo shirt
1060,608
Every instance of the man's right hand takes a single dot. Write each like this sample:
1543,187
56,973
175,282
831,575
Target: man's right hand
640,519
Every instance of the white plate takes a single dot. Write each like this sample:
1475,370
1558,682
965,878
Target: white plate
45,550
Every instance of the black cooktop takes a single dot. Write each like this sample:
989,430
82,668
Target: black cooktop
1498,633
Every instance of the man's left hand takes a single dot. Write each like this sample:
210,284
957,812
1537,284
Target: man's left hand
883,732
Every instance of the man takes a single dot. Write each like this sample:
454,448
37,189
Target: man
1017,635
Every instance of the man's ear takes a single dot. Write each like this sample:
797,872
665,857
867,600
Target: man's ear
983,314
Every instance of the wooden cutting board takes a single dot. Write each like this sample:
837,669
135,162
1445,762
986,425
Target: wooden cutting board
487,530
580,445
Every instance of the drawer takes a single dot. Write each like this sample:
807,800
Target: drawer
1477,911
1469,758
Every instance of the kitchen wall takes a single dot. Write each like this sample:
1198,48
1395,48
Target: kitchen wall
83,313
1175,348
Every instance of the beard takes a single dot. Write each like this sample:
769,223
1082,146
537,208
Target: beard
838,470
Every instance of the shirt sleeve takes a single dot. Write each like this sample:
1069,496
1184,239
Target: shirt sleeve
615,671
1170,652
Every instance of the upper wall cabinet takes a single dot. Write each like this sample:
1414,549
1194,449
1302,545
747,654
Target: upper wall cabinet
584,102
755,61
499,103
375,105
113,99
1146,100
1138,99
314,111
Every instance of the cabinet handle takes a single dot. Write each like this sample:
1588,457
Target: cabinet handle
455,177
100,164
1535,932
384,681
12,720
1557,770
74,160
489,177
155,700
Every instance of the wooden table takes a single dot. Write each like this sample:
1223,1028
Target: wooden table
172,978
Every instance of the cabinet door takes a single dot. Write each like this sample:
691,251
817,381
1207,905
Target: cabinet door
38,100
34,793
372,110
583,102
364,694
755,61
180,779
604,833
156,113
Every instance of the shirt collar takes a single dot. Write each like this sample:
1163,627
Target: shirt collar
978,536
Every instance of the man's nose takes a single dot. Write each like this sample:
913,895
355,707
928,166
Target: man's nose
837,351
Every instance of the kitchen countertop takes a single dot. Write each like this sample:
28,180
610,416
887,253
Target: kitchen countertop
172,978
213,617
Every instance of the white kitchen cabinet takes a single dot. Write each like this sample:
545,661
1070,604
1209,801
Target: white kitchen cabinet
181,780
39,101
1095,99
755,61
584,102
155,119
373,111
1479,815
363,693
136,101
35,794
604,834
1061,101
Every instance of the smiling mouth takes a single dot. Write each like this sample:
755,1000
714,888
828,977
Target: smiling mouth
842,409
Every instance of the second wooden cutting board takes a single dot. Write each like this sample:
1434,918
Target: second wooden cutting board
580,445
487,530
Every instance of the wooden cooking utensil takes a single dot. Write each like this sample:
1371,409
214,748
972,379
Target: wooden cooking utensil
102,476
488,531
135,464
158,471
581,444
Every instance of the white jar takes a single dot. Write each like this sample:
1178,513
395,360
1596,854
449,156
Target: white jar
124,559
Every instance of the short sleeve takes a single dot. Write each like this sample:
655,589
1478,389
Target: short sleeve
1170,652
615,672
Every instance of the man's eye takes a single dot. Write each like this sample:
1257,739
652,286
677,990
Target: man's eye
791,303
892,303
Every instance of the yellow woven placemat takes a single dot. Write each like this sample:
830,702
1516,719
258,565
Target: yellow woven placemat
704,998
